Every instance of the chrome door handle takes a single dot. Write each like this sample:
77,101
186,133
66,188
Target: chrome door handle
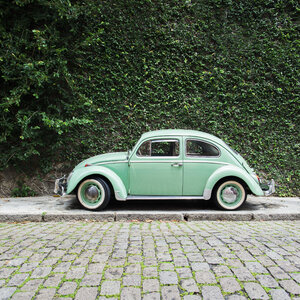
176,164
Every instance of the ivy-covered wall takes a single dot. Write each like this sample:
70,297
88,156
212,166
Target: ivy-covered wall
80,78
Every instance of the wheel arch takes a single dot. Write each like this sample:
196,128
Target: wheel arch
111,178
234,173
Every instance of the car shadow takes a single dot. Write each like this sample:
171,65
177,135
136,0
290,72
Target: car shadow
166,205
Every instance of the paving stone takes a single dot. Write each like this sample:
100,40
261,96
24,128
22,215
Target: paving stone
236,297
110,287
168,277
296,276
6,272
255,291
150,272
189,285
205,277
199,266
290,286
6,292
23,296
16,262
152,296
229,285
32,285
236,263
267,281
95,268
53,280
18,279
255,267
150,285
243,274
41,272
170,293
287,266
130,293
62,267
191,297
75,273
67,288
167,267
113,273
184,272
279,294
84,293
222,271
133,269
46,294
91,280
132,280
210,292
278,273
265,261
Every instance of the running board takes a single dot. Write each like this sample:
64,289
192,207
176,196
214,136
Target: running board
165,198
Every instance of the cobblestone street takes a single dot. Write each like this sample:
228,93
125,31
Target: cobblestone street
150,260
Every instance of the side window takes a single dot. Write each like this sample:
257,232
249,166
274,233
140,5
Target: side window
195,148
159,148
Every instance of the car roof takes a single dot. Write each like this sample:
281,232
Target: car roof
182,132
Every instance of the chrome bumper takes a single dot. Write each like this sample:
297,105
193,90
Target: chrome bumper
268,188
60,186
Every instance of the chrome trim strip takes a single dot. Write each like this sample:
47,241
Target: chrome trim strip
110,162
206,162
157,161
185,161
165,198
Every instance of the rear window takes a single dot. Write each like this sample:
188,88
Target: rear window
196,148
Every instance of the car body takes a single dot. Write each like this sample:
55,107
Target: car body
166,164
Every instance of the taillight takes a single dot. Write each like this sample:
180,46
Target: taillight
87,165
258,178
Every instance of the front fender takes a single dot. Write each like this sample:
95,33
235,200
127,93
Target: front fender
231,171
81,173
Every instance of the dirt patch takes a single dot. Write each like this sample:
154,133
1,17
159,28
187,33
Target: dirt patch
39,183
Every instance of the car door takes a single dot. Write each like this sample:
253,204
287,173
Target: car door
156,168
201,159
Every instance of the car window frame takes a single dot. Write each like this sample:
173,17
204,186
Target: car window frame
169,139
202,156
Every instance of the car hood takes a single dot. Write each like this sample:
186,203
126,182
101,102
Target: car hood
104,158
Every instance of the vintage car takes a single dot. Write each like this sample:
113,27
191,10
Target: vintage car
166,165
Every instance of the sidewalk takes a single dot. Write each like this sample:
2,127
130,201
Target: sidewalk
49,208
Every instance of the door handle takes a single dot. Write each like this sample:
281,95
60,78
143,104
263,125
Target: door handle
176,164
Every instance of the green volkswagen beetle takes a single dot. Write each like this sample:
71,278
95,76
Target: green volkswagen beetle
166,165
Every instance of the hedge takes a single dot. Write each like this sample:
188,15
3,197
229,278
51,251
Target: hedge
79,78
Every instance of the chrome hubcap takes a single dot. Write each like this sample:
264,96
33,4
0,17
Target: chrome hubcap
230,194
92,193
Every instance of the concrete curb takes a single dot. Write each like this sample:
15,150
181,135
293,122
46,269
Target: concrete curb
144,217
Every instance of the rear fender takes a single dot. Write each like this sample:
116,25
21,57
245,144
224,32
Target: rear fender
231,171
115,180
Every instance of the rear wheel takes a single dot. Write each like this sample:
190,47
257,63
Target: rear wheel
93,193
229,195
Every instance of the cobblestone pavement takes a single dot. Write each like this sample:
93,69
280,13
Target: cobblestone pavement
150,260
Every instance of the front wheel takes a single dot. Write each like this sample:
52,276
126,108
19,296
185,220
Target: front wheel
93,193
229,195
